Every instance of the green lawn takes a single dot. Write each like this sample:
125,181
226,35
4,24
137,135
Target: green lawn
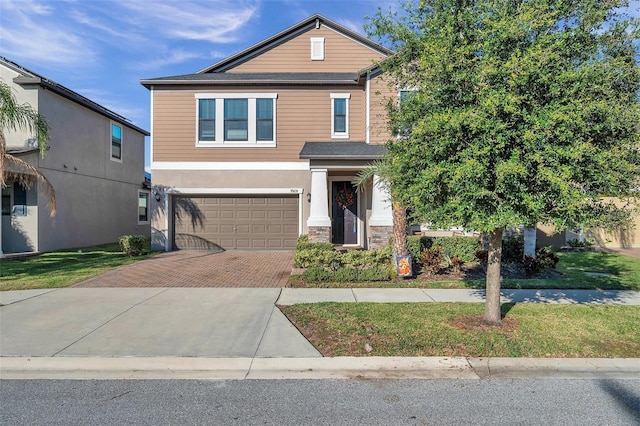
61,268
453,329
576,271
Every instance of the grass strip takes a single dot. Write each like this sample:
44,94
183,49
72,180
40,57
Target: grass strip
62,268
455,329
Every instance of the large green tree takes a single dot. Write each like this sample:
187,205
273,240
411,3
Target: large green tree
521,112
15,116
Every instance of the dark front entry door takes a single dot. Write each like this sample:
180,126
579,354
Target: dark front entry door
345,213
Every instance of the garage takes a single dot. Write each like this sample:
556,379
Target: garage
235,222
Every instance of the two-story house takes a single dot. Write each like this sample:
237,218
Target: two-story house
95,163
263,146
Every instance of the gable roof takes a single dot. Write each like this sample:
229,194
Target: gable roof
28,77
289,33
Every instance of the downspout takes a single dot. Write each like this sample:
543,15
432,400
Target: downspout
367,119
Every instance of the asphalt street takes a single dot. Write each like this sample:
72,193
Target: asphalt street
320,402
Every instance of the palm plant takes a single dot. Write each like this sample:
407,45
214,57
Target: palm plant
398,211
15,116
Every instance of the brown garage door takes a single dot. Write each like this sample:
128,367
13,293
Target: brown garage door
235,223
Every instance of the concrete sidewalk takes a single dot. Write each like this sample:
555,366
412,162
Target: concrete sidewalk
239,333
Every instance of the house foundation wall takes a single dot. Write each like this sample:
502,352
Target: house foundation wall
379,236
319,234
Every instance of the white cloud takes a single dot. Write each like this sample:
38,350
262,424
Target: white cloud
355,26
215,22
32,33
176,56
25,6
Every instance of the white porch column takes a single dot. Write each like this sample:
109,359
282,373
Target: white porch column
530,241
319,214
381,213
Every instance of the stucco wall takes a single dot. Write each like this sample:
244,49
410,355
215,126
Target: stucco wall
97,198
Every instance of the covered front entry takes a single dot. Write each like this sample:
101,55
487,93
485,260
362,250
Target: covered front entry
338,213
265,222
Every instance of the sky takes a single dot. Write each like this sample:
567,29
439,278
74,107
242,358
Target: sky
101,49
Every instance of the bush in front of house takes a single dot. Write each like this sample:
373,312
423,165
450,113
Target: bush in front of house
464,248
324,263
513,252
316,256
319,274
367,258
134,245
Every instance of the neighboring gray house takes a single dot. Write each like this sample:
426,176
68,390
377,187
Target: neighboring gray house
95,163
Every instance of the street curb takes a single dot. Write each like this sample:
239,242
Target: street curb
112,368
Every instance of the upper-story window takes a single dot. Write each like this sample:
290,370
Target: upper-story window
116,142
404,96
317,48
340,115
239,120
264,119
206,119
236,120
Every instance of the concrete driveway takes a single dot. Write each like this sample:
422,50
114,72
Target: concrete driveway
148,322
238,269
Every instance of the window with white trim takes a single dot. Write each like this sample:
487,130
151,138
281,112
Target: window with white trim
404,95
317,48
143,207
206,119
116,142
340,115
238,120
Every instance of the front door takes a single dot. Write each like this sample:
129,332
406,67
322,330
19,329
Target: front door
344,204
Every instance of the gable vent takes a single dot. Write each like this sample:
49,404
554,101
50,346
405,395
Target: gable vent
317,48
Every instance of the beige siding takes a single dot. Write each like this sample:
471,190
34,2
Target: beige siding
342,54
380,94
302,114
628,237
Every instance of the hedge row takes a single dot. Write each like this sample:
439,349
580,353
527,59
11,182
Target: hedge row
463,247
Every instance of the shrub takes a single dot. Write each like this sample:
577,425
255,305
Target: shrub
547,258
302,243
379,273
431,259
417,243
456,263
366,258
318,274
316,256
531,265
577,243
462,247
134,245
482,256
513,249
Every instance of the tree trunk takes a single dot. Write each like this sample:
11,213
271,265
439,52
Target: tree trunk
400,247
492,314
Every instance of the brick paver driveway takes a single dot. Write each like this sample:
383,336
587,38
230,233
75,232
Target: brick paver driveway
201,269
